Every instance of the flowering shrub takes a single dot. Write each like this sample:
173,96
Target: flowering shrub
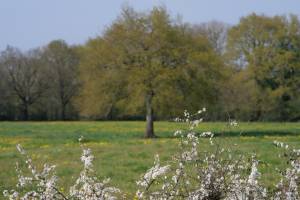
193,173
287,188
196,174
44,183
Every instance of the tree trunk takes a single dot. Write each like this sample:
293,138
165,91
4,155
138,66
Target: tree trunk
63,112
149,133
25,112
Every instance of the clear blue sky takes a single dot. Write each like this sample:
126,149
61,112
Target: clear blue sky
30,23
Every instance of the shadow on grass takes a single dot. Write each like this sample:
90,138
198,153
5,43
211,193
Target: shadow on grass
243,134
56,138
256,133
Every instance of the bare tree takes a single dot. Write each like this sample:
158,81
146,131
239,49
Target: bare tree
6,100
25,77
62,65
216,32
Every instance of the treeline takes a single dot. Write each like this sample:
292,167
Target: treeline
150,64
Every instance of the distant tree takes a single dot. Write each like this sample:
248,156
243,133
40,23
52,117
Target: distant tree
269,47
216,32
7,111
102,82
145,60
62,71
25,77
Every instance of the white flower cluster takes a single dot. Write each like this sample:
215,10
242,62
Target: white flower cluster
189,118
151,175
201,175
44,183
207,134
212,176
233,123
288,187
280,144
87,186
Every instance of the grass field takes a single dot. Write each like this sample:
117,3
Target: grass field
120,151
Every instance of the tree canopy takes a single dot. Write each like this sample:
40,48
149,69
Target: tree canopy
148,62
151,65
268,49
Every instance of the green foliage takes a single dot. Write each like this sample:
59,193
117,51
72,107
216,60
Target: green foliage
148,54
267,48
152,64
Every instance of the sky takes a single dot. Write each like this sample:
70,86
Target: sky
27,24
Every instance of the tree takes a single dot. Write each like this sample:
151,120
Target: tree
25,77
145,60
7,111
62,67
103,83
216,32
269,47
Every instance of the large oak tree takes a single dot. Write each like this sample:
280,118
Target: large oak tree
147,62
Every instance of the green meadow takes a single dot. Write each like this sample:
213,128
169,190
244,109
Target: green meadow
122,153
